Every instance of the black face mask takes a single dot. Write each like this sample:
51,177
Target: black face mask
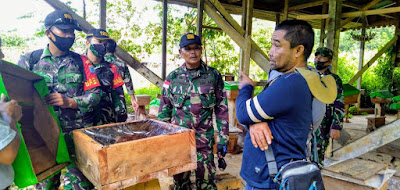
63,44
99,50
320,65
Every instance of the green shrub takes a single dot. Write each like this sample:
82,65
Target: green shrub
152,91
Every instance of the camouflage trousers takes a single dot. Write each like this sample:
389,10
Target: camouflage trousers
322,144
204,174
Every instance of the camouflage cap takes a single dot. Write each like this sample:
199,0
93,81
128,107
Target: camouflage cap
325,52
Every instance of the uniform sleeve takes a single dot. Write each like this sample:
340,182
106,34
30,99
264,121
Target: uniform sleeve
221,112
165,109
272,102
338,105
24,61
89,99
7,134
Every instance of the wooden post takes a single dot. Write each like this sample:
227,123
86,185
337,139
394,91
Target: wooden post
335,9
361,59
200,8
246,50
285,10
103,7
164,40
323,26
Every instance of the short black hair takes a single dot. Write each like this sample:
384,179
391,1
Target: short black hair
298,32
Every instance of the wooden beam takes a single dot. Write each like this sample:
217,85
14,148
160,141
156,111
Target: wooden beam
124,56
352,14
333,35
373,59
258,56
246,50
225,20
382,136
212,28
103,14
307,5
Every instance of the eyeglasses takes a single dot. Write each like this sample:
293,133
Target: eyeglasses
195,48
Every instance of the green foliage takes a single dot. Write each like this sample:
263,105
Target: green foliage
13,41
152,90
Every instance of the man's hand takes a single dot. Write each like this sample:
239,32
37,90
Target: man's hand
57,99
260,135
245,80
221,150
334,133
135,106
10,111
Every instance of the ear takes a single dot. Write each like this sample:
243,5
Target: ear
180,53
87,43
329,62
299,51
47,33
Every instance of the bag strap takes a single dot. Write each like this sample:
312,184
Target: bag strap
272,166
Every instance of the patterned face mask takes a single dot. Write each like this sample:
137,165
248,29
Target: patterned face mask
99,50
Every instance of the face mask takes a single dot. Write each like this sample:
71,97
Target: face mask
320,65
99,50
63,44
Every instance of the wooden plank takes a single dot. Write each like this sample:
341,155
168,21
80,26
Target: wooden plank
47,128
87,158
373,59
31,137
331,183
15,85
389,150
16,70
124,56
147,157
51,171
227,181
357,168
199,23
351,14
41,159
307,5
383,135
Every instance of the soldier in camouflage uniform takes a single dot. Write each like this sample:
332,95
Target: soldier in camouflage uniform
333,121
124,72
190,96
73,87
112,106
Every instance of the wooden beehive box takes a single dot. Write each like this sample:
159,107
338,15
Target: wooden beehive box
40,130
120,155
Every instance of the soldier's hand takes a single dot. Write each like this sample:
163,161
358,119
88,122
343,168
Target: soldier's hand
260,135
334,133
10,111
222,150
57,99
245,80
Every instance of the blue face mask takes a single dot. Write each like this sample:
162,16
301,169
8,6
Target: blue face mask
63,44
99,50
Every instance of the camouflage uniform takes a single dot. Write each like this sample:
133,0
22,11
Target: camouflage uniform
189,99
64,76
111,104
333,120
123,71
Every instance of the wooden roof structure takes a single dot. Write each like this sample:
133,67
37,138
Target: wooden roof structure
378,12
